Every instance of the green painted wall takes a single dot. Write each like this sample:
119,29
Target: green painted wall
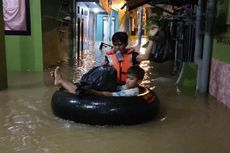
189,74
221,43
221,47
24,53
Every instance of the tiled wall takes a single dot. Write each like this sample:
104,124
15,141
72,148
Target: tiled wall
220,81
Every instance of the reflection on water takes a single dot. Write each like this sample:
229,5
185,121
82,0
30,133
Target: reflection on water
187,122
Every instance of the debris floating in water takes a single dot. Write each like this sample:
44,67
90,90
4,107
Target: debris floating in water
163,119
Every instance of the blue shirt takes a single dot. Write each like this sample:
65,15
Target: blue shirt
123,91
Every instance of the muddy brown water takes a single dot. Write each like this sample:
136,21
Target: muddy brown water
187,122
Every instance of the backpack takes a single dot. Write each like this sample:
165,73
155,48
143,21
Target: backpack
102,78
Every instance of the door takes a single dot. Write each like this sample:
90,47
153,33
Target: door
105,34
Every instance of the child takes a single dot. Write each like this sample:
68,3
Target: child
135,75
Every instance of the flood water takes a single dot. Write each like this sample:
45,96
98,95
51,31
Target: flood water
187,122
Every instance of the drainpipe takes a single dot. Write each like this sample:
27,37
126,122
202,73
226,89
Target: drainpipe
139,25
199,40
207,50
110,16
127,20
73,16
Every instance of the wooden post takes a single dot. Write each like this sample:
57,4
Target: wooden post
3,73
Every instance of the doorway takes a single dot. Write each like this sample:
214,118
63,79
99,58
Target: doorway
105,34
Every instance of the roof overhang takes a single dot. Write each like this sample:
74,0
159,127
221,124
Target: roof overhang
104,4
96,1
132,4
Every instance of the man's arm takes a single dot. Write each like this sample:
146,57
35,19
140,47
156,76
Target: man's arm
126,92
100,93
146,56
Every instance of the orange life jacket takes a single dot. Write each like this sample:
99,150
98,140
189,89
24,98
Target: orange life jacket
122,66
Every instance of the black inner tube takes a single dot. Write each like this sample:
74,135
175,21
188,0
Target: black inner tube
102,110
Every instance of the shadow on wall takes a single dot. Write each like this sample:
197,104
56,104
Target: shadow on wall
55,40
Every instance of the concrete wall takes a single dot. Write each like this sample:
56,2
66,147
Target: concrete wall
24,53
220,66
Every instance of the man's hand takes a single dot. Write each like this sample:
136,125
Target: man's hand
154,31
